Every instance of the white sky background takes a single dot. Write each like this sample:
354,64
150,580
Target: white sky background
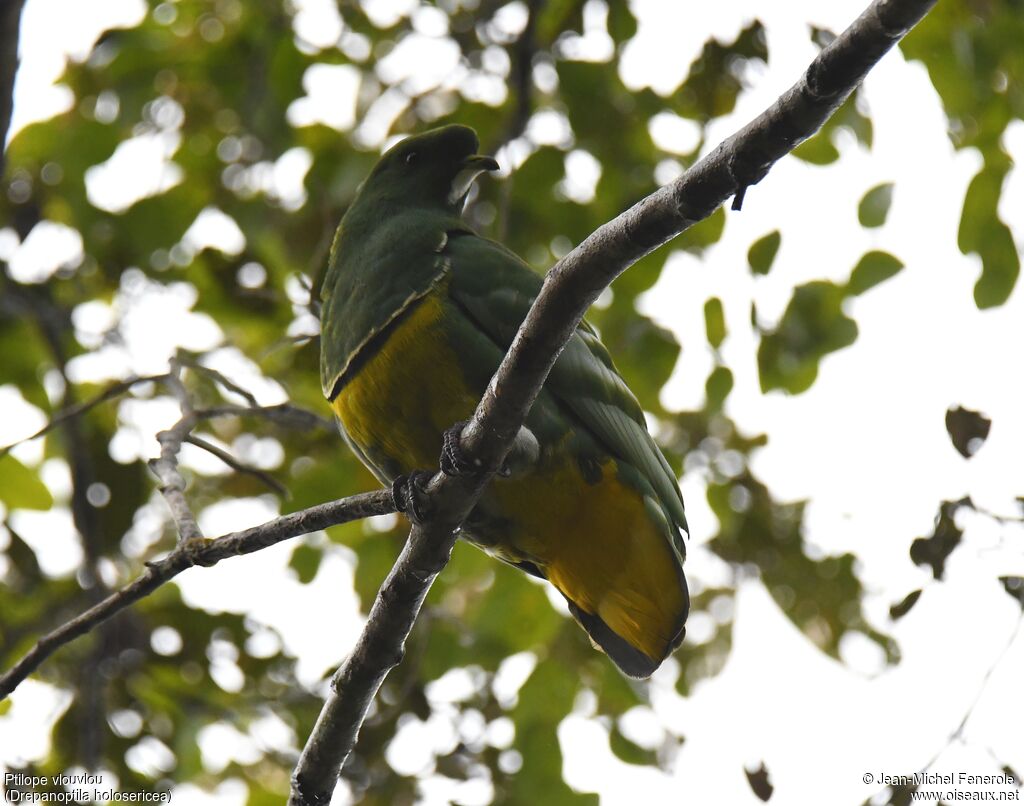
818,725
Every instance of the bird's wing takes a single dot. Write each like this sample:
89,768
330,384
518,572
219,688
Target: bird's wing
371,279
495,289
377,465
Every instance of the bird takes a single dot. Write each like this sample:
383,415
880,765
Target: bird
417,311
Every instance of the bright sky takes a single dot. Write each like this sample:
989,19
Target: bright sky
819,725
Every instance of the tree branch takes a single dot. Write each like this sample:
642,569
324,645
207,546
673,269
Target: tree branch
742,160
10,24
218,377
283,414
112,391
192,548
165,466
569,289
199,552
958,733
238,465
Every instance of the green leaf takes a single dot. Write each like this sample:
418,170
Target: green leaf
20,488
971,55
818,150
714,322
621,22
967,429
704,233
628,751
820,595
544,699
377,553
1015,587
646,352
762,252
935,549
901,608
305,562
1001,266
718,386
713,81
822,37
983,233
487,621
874,207
22,556
760,782
812,326
873,268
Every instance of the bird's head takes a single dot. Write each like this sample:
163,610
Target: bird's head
434,169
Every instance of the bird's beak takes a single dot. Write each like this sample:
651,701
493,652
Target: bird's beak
482,163
472,167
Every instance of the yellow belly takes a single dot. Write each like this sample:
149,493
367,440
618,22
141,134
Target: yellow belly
402,400
596,542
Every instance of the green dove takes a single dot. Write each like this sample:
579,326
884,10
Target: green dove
418,311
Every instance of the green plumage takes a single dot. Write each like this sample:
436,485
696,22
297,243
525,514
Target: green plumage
496,289
402,243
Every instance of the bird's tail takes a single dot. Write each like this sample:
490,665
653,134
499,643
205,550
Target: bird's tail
632,660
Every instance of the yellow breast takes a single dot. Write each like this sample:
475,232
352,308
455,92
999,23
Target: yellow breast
403,398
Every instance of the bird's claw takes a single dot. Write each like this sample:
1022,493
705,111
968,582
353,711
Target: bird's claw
410,495
453,460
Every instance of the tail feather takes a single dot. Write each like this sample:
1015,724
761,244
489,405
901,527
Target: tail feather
627,657
621,580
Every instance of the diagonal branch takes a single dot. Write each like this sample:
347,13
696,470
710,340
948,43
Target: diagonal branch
958,733
569,289
238,465
740,161
199,552
217,377
283,414
112,391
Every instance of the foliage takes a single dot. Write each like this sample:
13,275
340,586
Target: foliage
220,87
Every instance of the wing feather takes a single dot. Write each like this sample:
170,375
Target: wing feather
497,289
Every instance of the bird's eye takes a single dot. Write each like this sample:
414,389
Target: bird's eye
411,158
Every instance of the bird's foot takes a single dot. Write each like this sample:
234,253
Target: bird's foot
453,461
410,495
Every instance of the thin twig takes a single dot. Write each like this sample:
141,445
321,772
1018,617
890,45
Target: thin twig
165,466
199,552
569,289
236,464
284,414
218,377
113,390
1003,520
959,732
286,342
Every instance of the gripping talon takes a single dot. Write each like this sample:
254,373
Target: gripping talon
410,495
453,460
